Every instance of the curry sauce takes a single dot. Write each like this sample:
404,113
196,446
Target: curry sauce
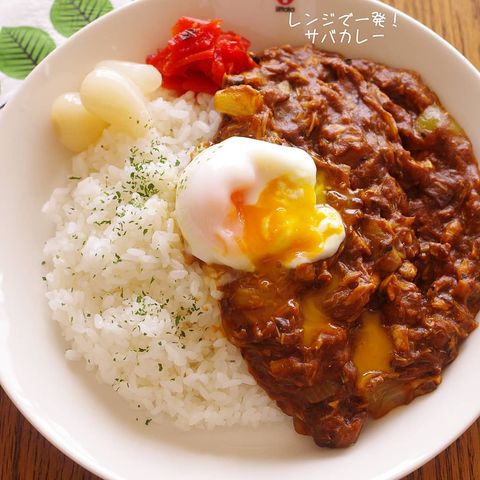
371,328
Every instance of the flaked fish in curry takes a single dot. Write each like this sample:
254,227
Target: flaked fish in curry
355,335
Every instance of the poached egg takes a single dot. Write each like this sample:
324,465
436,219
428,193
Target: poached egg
242,202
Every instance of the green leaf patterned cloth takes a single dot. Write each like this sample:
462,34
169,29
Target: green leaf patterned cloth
22,49
69,16
31,29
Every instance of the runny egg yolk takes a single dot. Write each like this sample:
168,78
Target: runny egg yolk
373,349
243,202
285,224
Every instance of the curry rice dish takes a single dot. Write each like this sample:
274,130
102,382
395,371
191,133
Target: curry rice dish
319,217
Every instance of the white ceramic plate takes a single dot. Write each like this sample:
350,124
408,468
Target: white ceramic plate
87,420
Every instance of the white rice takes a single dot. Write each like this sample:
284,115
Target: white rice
128,304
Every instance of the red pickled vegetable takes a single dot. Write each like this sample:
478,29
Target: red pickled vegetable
199,54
